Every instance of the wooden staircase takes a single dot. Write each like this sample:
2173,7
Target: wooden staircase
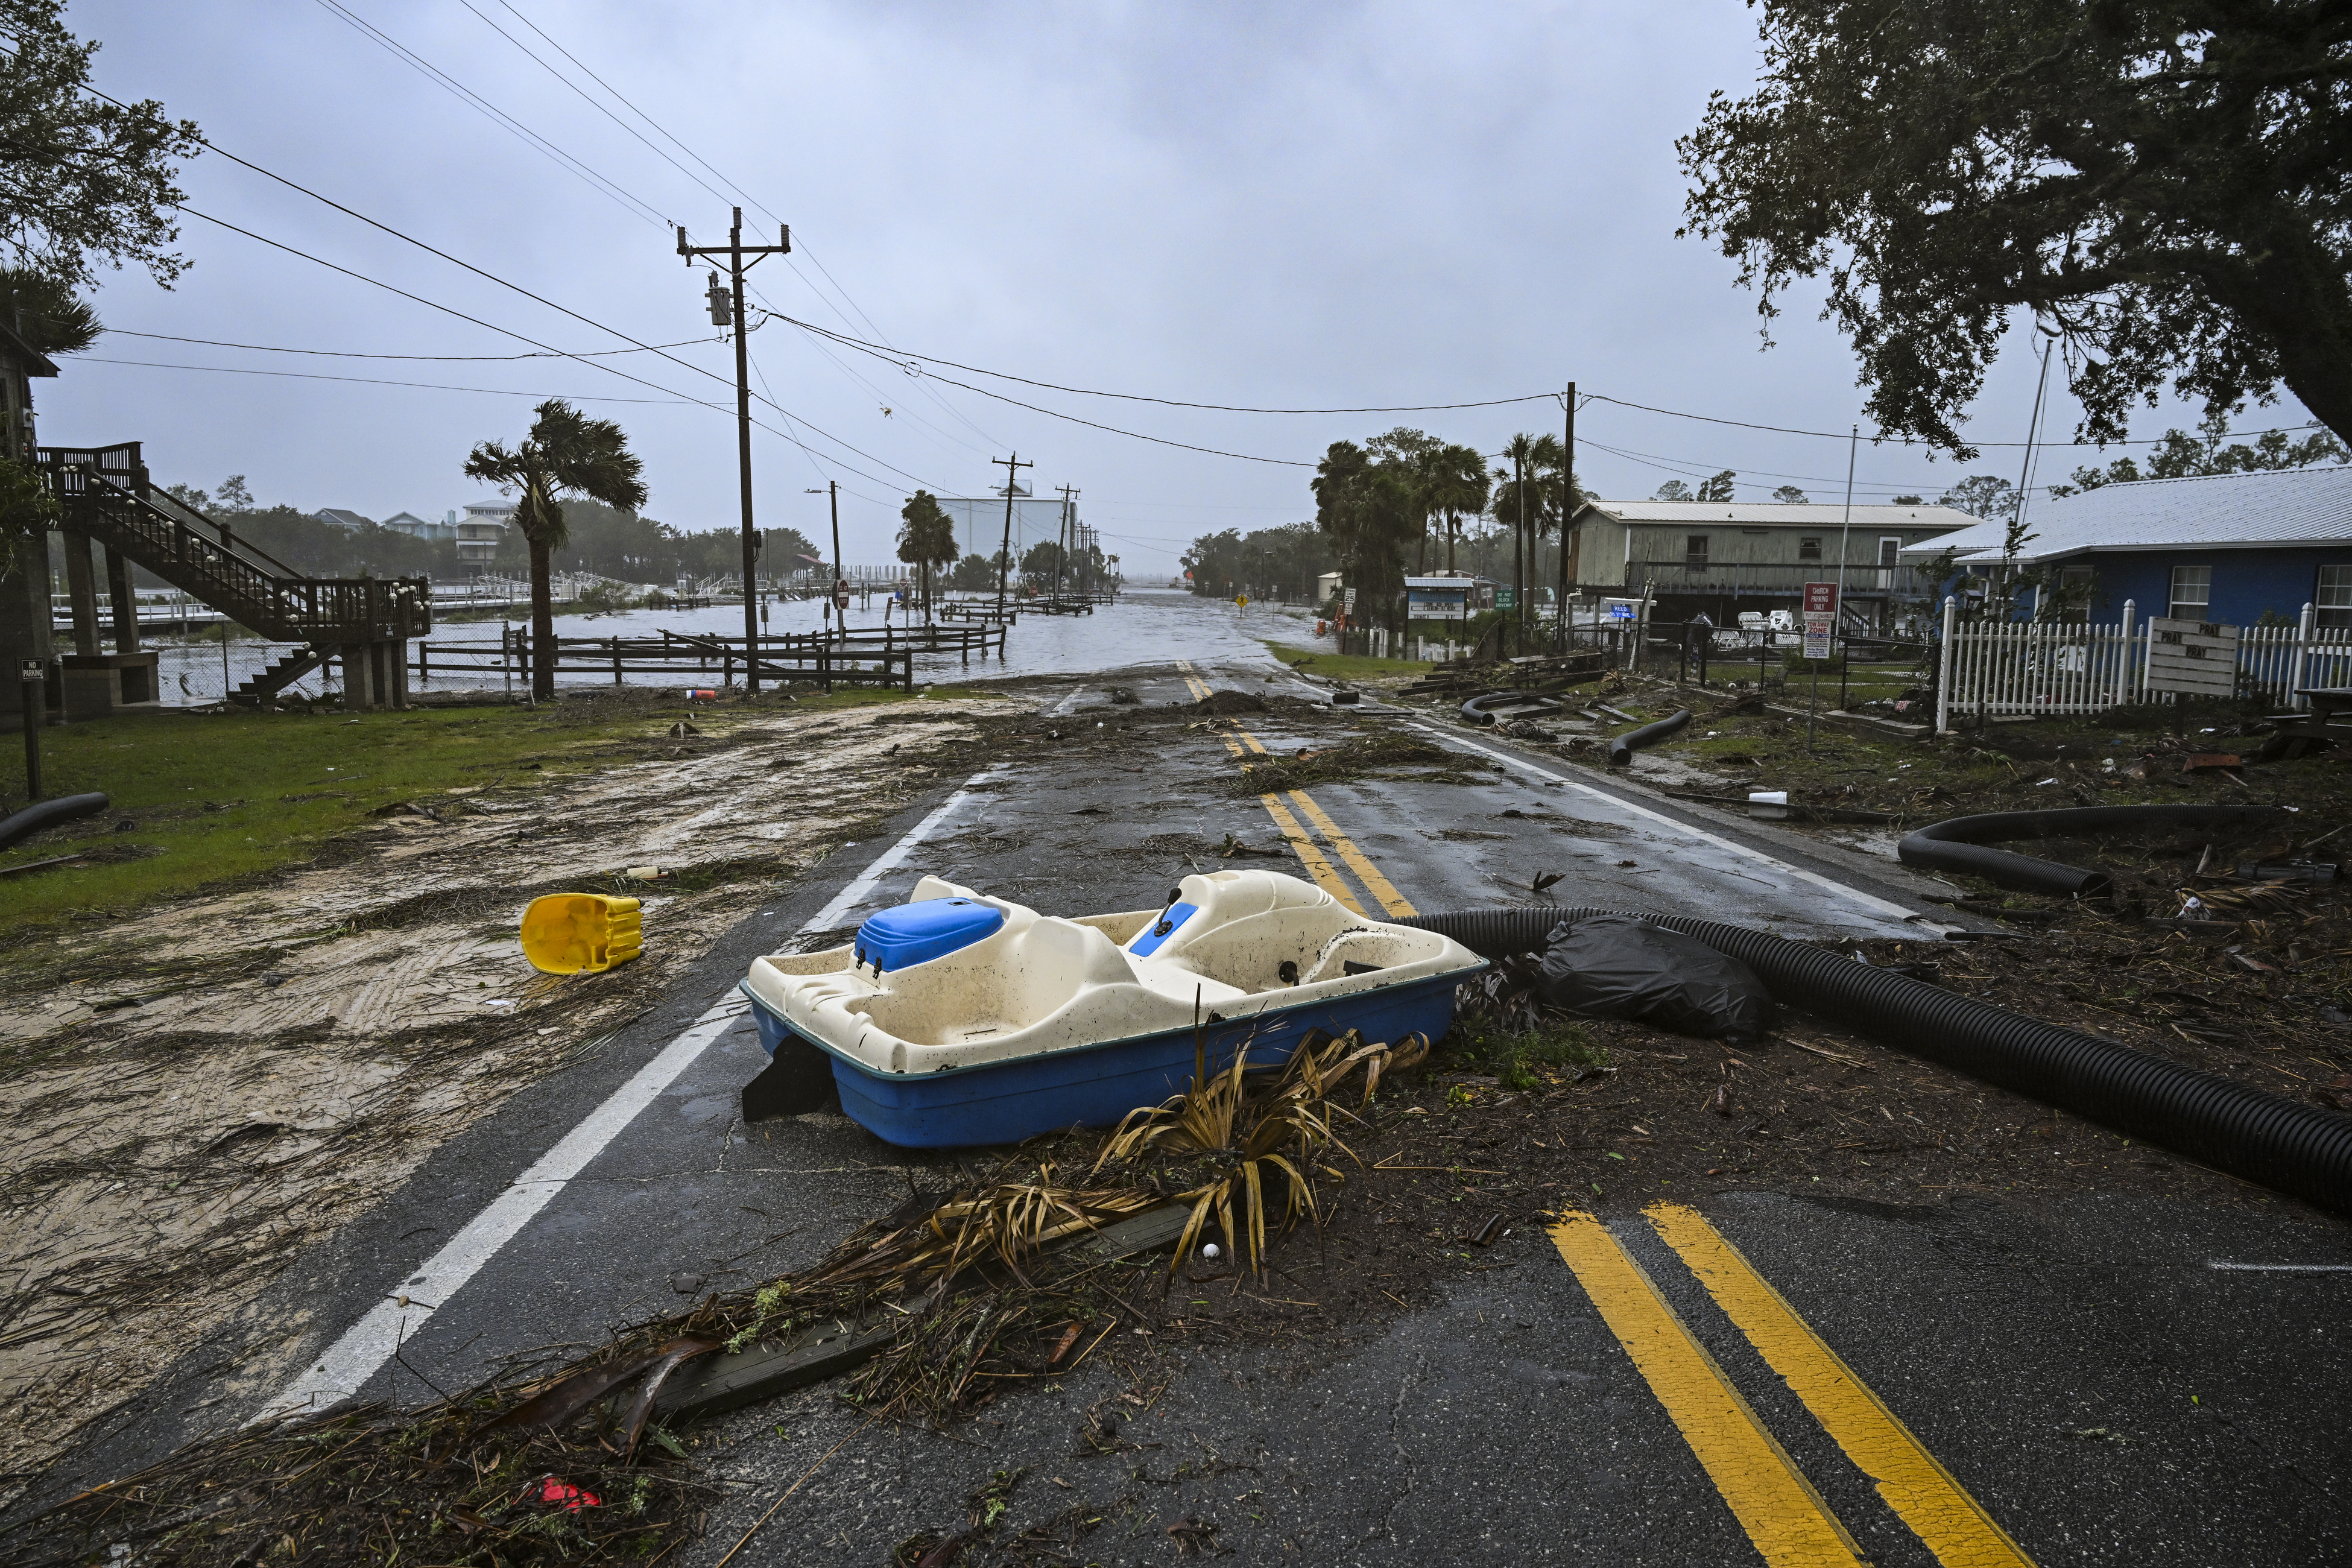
106,495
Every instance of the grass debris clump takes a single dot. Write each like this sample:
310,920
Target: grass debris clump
1381,754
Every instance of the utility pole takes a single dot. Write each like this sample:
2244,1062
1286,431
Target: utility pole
1069,541
836,597
726,310
1013,466
1567,507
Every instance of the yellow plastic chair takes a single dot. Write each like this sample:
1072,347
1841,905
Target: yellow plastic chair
576,933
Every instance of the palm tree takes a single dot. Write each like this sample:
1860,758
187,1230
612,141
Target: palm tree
1455,484
926,539
1525,499
566,453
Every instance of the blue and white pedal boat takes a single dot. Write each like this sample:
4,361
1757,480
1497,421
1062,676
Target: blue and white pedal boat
957,1019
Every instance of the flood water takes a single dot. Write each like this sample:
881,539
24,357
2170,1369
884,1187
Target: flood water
1145,626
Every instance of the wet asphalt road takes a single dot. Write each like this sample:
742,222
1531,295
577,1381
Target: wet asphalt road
2099,1390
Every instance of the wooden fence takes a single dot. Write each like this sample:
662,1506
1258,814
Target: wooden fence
871,657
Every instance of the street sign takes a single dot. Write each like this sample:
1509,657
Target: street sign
1821,598
2196,658
1620,612
1506,598
1349,598
1819,629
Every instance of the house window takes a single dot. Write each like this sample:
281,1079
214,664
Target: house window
2193,591
2331,605
1694,552
1809,549
1887,550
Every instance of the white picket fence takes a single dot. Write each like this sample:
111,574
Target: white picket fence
2003,668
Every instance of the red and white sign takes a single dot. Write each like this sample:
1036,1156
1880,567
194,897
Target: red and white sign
1821,598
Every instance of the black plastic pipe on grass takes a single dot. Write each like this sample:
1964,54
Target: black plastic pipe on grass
1959,844
1622,748
48,814
2282,1143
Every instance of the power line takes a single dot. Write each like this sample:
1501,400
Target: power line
1900,440
343,354
641,114
496,115
1694,468
506,332
376,381
884,352
591,102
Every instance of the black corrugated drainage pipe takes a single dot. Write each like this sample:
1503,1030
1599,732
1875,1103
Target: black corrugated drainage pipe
2296,1148
1476,714
48,814
1621,749
1958,843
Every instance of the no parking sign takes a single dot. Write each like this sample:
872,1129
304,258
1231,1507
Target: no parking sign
1820,618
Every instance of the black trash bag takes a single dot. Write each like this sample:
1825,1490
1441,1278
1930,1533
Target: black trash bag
1621,966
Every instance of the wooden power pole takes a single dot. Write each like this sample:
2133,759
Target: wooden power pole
1013,466
1567,509
728,310
1069,536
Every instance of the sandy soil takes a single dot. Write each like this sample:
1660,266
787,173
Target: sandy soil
196,1092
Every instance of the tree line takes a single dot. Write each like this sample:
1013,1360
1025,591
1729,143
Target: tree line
1404,502
601,539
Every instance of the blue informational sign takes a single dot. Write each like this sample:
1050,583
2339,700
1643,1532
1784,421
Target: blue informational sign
1620,612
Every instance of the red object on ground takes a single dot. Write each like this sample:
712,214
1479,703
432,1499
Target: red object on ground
702,693
574,1499
2197,762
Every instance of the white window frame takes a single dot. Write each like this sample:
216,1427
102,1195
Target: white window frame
2183,609
2331,602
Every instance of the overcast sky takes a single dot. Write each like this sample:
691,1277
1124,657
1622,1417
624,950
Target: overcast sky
1311,207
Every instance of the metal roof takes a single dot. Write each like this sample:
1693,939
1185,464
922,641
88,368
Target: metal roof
2280,509
1775,514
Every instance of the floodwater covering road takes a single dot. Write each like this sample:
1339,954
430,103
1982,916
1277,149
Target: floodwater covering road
1146,626
1778,1373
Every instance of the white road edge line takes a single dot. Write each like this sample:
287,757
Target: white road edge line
1853,895
368,1344
2281,1268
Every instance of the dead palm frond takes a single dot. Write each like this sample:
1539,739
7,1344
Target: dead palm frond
1006,1221
1255,1134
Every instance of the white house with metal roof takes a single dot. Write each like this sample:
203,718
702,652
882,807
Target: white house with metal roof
2212,547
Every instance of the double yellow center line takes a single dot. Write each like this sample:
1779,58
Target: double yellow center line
1317,865
1781,1512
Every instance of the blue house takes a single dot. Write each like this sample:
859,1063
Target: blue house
2219,547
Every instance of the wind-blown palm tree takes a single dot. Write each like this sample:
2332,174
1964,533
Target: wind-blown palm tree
1526,496
926,539
566,453
1454,483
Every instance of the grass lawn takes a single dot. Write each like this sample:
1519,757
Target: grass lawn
223,796
1345,667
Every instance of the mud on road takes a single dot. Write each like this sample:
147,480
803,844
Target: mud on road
197,1091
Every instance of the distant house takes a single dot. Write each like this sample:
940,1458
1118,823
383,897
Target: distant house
415,527
2217,547
481,530
342,519
1720,558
